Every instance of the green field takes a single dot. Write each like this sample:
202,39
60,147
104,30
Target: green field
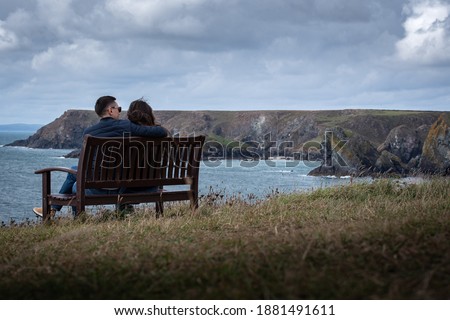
384,240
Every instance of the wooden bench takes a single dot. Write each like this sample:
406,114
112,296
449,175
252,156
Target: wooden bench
130,162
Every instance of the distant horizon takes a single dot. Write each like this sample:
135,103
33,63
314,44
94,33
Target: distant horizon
23,127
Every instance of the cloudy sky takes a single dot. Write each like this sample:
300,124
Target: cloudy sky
223,55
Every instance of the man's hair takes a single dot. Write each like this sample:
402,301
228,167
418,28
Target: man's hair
140,112
102,103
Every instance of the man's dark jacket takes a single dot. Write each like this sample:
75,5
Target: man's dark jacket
110,127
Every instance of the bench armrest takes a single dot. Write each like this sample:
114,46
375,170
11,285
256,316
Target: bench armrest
61,169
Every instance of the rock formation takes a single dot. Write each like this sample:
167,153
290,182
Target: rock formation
409,141
401,150
345,153
388,162
65,132
435,157
404,142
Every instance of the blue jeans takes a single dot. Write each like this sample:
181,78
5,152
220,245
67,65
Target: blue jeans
67,186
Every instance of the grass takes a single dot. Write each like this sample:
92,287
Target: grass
382,240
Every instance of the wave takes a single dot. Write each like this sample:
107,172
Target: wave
337,177
24,147
17,147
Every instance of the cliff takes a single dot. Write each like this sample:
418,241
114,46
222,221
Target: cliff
406,150
373,140
436,150
65,132
345,153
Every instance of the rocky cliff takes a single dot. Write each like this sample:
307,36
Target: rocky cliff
436,150
346,153
65,132
366,141
406,150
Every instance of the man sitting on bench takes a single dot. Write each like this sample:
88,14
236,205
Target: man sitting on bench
110,125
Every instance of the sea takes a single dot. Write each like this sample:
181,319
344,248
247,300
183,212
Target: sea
20,187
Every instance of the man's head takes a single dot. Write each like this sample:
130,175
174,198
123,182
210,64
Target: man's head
107,106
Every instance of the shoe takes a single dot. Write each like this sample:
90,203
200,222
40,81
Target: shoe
38,212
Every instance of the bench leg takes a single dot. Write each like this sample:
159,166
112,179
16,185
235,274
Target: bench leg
159,209
46,189
193,199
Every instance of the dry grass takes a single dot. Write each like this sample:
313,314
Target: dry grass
377,241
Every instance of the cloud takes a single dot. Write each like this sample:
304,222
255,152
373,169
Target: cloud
157,16
8,39
224,54
427,33
76,57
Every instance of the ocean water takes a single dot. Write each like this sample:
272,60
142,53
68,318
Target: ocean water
20,188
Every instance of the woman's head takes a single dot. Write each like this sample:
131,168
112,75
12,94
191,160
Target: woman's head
141,113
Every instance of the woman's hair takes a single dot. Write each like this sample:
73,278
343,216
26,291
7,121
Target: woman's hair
141,113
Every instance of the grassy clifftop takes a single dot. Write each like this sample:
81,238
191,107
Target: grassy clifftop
383,240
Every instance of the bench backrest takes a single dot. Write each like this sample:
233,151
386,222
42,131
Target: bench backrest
139,161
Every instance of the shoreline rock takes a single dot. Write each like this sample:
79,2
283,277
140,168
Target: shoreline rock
435,157
406,151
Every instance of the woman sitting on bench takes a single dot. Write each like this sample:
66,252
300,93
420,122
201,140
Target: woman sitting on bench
141,123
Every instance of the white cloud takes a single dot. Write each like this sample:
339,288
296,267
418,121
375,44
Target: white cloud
8,39
20,20
170,17
55,12
77,57
427,36
221,54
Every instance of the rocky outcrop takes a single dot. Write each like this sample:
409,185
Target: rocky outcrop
376,125
435,157
406,150
388,162
407,140
400,152
404,142
65,132
346,153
